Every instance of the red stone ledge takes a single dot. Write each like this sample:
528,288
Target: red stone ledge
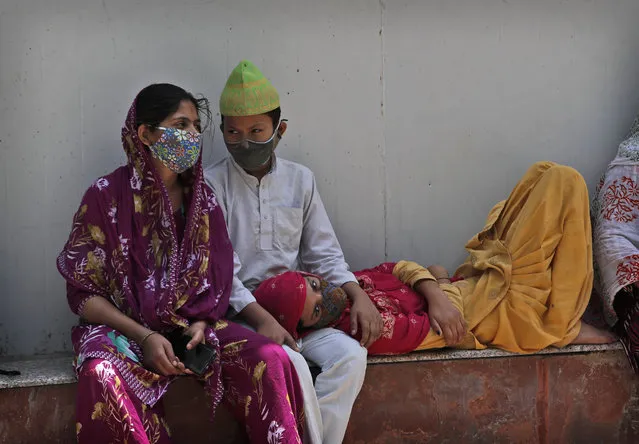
572,395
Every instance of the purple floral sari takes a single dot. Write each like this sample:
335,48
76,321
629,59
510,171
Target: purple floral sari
124,247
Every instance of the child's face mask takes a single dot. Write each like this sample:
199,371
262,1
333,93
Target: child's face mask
334,302
252,155
177,149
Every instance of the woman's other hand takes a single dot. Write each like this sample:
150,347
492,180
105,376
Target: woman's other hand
196,332
159,356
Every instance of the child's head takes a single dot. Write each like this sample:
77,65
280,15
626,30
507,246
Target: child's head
250,109
300,301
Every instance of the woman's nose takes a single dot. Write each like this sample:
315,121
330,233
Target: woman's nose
192,128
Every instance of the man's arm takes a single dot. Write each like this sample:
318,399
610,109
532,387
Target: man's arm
320,251
321,254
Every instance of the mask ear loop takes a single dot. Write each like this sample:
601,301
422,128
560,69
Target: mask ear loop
276,133
277,130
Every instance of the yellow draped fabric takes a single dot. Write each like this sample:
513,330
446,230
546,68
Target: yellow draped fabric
528,277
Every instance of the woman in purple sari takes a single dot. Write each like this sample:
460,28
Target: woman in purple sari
149,255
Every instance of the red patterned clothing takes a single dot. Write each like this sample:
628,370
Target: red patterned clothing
403,310
615,211
615,221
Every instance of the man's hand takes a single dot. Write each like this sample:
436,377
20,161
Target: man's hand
265,324
276,333
363,315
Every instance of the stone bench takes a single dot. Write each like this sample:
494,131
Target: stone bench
576,394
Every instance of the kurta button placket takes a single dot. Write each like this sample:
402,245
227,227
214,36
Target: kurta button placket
266,223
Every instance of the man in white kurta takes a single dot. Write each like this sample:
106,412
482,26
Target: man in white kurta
277,222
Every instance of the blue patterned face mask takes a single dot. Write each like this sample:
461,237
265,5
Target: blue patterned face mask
178,149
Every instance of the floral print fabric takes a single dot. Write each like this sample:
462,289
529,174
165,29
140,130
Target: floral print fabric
615,211
178,149
261,390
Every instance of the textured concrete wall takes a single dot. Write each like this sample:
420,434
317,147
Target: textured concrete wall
415,115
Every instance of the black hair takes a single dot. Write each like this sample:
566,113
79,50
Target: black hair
274,115
158,101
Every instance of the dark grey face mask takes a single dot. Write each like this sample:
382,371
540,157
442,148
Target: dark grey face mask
252,155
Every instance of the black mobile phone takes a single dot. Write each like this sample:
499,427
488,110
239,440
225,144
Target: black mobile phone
197,359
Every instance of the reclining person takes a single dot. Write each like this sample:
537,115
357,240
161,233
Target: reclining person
524,286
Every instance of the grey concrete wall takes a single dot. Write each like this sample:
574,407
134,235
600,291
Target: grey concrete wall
416,116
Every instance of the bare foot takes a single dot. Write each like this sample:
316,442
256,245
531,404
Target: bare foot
592,335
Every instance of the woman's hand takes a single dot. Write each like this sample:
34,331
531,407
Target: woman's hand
444,317
196,332
159,356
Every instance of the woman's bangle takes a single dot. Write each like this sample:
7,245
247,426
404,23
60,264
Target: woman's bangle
146,337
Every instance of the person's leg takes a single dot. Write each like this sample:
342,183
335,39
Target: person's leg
626,305
107,413
261,385
312,416
313,430
536,266
343,363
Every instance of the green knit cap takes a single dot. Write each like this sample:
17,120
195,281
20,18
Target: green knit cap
247,92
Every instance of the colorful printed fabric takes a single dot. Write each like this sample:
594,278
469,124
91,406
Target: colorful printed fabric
178,149
261,387
403,310
615,214
108,412
247,92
